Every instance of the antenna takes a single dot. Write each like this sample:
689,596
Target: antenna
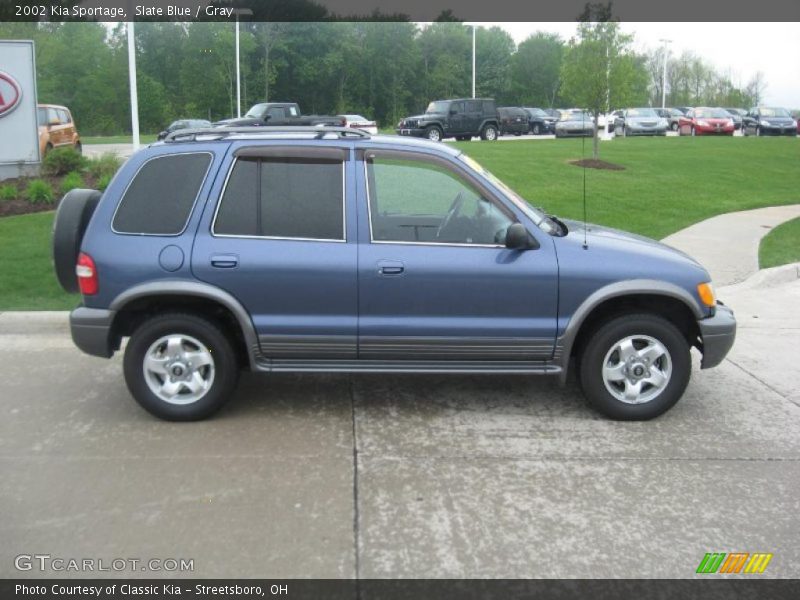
583,163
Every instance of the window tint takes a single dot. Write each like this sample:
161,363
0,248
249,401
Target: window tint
416,201
284,198
160,198
276,112
458,107
52,115
473,106
63,116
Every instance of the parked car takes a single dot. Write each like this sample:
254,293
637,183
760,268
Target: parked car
184,124
736,117
461,118
56,128
366,254
513,120
684,109
553,112
768,120
540,122
279,114
640,121
706,121
359,122
575,123
672,115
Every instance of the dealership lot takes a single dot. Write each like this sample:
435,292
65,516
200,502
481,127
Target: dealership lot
405,476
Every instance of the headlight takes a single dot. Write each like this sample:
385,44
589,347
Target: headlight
730,122
702,123
706,293
767,123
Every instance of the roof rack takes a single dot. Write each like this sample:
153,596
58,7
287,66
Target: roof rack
219,133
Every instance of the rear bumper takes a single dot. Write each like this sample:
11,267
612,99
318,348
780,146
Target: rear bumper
718,334
91,331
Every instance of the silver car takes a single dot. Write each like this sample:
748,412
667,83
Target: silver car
575,123
640,121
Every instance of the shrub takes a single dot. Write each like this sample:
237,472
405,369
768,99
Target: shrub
105,165
102,182
71,181
8,192
39,191
61,161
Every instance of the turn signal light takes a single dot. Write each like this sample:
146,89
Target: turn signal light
87,275
706,293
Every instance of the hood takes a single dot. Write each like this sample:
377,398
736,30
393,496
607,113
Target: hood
243,122
627,242
653,119
778,119
424,116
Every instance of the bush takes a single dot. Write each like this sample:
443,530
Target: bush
105,165
102,183
39,191
61,161
8,192
71,181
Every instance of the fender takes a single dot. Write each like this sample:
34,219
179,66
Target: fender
180,287
650,287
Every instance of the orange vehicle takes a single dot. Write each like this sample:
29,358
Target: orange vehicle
56,128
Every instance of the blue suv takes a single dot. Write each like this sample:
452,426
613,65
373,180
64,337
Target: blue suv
330,250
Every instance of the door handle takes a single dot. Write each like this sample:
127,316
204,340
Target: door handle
390,267
224,261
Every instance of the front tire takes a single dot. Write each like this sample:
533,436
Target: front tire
536,129
434,134
489,133
635,367
180,367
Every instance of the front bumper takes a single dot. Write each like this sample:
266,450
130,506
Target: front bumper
647,130
779,130
718,334
714,131
412,131
91,330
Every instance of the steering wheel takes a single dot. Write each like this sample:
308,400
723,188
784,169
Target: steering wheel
452,213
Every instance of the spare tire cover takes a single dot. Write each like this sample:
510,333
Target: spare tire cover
72,218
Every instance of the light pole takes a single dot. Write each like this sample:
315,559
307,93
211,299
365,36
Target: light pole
132,80
238,12
664,74
473,59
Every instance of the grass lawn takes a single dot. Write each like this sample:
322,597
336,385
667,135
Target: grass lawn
781,245
27,281
145,138
667,184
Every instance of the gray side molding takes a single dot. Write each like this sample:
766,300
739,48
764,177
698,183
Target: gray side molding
650,287
167,287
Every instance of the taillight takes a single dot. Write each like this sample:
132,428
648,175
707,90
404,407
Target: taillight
87,275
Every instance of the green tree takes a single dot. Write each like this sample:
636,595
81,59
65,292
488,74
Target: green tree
600,70
536,70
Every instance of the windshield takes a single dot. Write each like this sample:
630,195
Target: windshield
532,213
436,107
711,113
641,112
774,112
257,112
577,116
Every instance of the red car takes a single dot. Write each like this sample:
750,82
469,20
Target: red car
706,121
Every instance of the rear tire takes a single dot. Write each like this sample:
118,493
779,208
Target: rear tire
489,133
180,367
635,367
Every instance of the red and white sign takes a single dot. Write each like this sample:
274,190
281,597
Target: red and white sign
10,93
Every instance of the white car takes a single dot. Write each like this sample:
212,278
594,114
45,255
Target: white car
359,122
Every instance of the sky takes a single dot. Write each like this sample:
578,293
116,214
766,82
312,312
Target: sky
739,48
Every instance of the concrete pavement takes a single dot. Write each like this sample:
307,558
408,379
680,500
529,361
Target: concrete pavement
727,245
406,476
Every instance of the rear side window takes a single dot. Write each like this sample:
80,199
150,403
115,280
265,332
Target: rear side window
160,198
283,197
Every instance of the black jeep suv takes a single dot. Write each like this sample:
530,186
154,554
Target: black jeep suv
462,118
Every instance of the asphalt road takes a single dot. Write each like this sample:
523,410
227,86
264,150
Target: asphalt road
338,476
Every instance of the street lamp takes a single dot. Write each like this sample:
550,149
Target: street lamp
474,27
664,74
132,77
238,12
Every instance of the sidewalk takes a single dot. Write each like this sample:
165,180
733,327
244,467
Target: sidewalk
727,245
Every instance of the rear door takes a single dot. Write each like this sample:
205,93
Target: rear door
280,242
457,119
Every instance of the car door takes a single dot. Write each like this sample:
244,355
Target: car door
276,116
474,116
457,119
279,241
436,282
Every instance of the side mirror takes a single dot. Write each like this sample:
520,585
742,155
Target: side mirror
517,237
162,134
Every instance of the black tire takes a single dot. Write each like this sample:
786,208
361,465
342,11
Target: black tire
489,133
674,127
78,147
72,217
434,134
536,129
592,357
225,366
